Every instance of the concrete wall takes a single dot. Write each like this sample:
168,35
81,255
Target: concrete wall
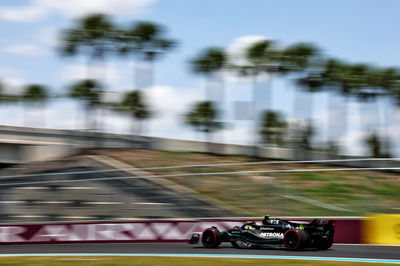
227,149
22,144
10,153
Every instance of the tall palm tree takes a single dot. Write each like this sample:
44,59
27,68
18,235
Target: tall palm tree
389,80
301,62
92,35
298,57
203,117
273,128
333,73
377,84
377,146
35,95
134,104
210,62
346,80
263,57
146,42
88,91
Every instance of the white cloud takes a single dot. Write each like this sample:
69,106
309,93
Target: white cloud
10,79
23,13
169,104
237,56
170,100
238,47
37,9
13,85
22,49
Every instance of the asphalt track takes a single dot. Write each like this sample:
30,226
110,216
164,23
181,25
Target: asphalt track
337,250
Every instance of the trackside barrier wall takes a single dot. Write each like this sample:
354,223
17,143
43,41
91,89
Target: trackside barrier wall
347,231
382,229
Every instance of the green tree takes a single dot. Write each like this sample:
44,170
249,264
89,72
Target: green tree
210,63
134,104
306,136
92,35
377,146
299,57
146,42
302,135
35,95
263,57
388,80
6,97
203,118
273,128
348,81
301,61
87,91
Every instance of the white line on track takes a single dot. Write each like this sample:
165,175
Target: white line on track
374,245
231,256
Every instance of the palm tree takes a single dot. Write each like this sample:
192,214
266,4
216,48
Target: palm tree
210,63
377,146
301,60
299,56
203,117
263,57
94,36
35,95
146,42
134,104
88,91
4,97
389,81
347,80
273,128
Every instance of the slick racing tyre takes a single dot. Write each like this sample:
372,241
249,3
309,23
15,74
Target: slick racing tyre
325,243
295,239
211,238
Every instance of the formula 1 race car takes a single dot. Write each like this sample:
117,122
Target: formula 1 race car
271,233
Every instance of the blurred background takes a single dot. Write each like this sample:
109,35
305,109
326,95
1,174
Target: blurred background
118,110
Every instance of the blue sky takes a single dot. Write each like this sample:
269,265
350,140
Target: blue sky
354,30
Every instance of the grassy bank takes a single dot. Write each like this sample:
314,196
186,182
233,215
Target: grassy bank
310,193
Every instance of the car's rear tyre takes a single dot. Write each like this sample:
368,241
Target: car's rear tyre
211,238
325,244
295,239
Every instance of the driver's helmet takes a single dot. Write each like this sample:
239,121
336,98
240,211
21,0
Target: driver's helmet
265,219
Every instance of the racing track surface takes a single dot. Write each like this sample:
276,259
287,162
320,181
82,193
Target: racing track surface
338,250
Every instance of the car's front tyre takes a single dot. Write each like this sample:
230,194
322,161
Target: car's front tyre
211,238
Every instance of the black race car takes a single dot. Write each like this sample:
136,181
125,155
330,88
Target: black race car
271,232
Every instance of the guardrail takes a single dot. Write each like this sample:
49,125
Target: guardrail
347,231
